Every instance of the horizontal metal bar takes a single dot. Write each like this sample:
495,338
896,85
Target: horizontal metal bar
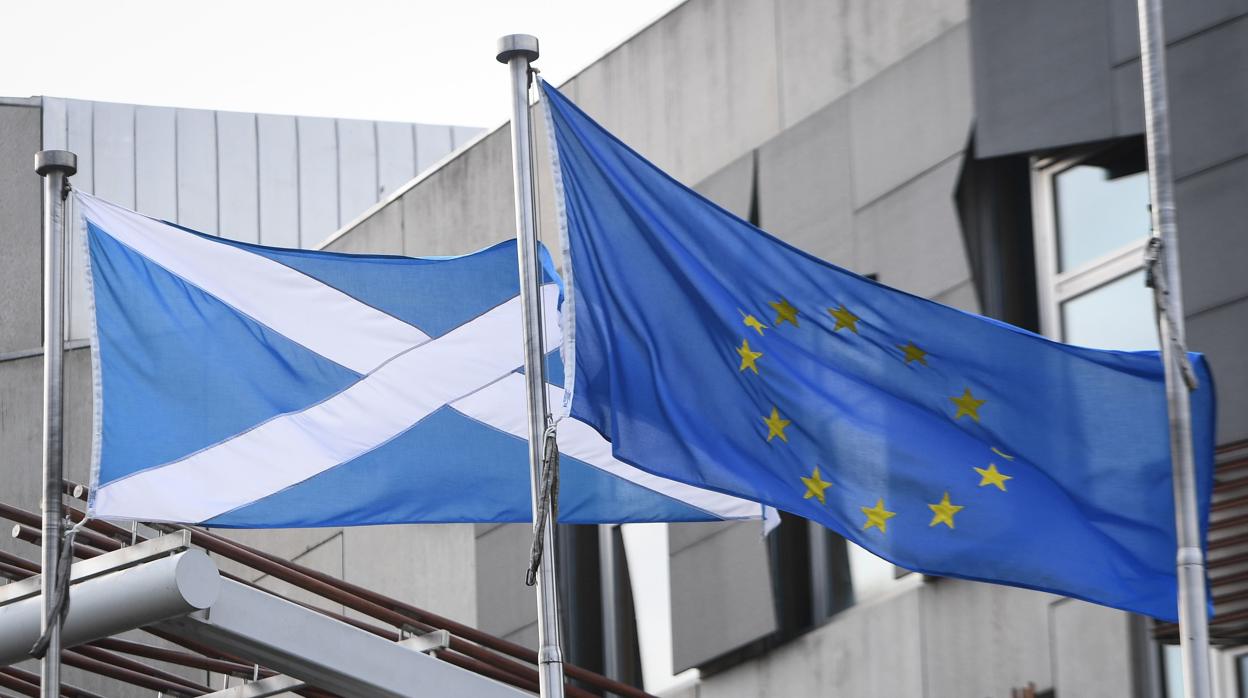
273,685
263,688
324,652
38,351
428,642
146,551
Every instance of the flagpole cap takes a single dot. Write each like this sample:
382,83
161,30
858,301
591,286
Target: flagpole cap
517,44
47,161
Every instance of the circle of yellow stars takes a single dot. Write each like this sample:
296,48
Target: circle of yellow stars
878,515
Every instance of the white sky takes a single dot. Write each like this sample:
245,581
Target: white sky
422,61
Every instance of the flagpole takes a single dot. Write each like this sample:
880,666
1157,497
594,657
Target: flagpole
518,51
55,166
1190,562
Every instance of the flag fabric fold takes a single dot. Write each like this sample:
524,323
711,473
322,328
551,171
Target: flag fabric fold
246,386
708,352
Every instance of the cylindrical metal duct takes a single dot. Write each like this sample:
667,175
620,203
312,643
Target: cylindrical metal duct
116,602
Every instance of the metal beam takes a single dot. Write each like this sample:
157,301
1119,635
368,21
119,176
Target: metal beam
275,685
324,652
272,686
131,556
115,602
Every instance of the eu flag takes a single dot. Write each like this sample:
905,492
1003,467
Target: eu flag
709,352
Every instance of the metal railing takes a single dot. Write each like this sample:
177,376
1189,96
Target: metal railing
468,648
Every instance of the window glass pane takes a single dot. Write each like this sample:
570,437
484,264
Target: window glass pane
872,576
1172,668
1096,214
1118,315
1241,668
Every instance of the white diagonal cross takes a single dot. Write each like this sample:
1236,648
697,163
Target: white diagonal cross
407,376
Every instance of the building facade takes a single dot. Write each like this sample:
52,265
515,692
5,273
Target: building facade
278,180
985,154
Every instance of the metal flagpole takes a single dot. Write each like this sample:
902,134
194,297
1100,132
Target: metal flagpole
54,166
518,51
1190,562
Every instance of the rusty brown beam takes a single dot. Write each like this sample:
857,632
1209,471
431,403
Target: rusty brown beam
32,679
130,676
186,659
116,660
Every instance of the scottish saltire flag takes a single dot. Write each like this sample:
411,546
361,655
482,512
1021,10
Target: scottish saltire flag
248,386
708,352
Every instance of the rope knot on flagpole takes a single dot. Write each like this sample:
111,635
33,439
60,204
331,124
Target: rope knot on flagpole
1155,278
60,600
549,500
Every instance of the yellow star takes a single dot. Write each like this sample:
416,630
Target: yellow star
752,322
943,512
992,476
913,353
815,485
967,405
844,318
877,516
776,425
748,357
785,312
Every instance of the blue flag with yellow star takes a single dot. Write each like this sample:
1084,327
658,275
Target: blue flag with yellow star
708,352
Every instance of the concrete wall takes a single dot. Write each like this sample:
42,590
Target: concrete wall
845,124
1060,73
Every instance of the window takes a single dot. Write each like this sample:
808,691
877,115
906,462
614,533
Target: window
1092,224
1229,666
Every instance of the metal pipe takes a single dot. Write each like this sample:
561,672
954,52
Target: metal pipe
130,676
27,685
1190,559
117,602
609,577
518,51
117,660
230,549
55,166
465,639
33,680
186,659
34,536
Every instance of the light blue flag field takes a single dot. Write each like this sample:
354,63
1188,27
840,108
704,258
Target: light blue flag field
246,386
709,352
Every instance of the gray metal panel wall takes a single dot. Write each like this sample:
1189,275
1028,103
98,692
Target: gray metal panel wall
278,173
276,180
155,172
238,176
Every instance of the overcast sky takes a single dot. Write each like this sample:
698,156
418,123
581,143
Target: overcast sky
422,61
